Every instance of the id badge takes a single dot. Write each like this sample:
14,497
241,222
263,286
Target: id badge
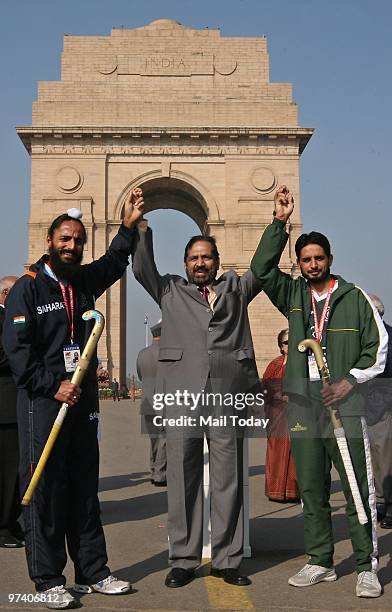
71,354
314,373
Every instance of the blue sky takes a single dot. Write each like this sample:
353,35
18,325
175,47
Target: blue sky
337,54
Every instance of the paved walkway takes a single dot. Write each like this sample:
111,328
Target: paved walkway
134,516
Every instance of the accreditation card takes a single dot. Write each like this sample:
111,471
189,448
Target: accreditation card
71,353
314,373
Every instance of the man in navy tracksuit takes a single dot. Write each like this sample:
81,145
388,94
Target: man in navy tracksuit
43,331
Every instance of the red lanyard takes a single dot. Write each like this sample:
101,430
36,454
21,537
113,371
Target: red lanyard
68,303
68,298
319,327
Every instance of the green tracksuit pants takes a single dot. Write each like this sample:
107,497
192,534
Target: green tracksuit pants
314,449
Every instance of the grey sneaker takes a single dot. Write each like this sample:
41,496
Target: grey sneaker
57,598
368,585
312,574
108,586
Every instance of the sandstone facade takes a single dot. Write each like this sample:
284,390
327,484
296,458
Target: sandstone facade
190,116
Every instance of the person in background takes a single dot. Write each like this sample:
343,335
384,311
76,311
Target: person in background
379,420
115,390
124,391
280,475
147,366
11,533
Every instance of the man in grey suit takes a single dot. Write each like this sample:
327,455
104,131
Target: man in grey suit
206,345
146,366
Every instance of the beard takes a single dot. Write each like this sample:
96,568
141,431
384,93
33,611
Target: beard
206,280
319,279
64,270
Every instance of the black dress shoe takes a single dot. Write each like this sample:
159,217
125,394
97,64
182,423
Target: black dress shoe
231,576
386,522
381,511
160,483
179,577
9,541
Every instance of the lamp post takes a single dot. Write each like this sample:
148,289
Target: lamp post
146,325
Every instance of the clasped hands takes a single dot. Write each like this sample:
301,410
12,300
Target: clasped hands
133,208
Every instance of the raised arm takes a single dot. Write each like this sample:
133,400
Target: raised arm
250,285
143,263
265,262
109,268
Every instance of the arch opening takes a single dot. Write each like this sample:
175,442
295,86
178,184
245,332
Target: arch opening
176,194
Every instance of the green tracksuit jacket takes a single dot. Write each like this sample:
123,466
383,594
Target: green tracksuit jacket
356,339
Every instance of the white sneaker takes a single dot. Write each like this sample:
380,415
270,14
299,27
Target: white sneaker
57,598
368,585
312,574
108,586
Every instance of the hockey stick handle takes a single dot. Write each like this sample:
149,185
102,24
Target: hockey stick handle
322,365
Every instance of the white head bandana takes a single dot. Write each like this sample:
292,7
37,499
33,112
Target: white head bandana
75,213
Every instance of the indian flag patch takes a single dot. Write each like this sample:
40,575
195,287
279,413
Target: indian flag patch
19,319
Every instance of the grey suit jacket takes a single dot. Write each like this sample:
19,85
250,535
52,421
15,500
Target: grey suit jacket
197,343
147,367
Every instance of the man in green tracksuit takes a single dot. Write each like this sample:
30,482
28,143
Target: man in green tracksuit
341,318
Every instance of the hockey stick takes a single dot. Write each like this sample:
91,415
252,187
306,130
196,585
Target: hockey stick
338,429
77,378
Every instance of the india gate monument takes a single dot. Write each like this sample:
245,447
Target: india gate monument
188,115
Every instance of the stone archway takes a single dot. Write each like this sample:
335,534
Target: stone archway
176,194
210,136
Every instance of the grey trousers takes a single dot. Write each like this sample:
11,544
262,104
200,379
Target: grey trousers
185,465
158,459
157,450
380,436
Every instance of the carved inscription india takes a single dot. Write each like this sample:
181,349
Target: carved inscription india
166,64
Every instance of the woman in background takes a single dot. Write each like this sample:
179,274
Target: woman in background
280,474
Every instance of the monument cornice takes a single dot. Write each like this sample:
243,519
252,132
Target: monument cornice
31,135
